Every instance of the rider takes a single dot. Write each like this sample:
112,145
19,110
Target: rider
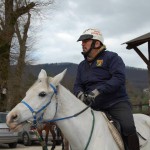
101,80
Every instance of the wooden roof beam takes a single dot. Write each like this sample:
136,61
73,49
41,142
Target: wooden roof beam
141,55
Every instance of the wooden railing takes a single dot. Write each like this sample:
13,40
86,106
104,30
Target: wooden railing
141,108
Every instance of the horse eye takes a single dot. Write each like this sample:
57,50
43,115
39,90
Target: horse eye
42,94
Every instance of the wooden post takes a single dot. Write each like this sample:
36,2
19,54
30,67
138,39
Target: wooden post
140,107
148,108
149,76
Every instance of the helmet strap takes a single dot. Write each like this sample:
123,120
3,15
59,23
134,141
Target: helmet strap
100,50
103,47
85,54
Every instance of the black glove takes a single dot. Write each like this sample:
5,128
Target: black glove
90,98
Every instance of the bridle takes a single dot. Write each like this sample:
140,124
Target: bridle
35,113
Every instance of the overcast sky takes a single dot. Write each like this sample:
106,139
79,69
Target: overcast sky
118,20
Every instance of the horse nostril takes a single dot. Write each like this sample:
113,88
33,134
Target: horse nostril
14,118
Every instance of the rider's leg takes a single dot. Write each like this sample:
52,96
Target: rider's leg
122,112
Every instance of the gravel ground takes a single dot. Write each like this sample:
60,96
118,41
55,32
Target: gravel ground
22,147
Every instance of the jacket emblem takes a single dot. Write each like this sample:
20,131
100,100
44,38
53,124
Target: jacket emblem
99,63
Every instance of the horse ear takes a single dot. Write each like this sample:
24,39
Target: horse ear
58,78
42,74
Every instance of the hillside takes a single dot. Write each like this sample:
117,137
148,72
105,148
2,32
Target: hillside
138,78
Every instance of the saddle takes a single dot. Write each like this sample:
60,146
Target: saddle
113,121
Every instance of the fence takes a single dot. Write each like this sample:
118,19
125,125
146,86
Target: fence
141,108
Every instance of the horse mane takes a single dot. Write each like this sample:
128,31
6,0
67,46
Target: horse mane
70,96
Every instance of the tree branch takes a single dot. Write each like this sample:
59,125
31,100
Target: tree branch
26,27
22,10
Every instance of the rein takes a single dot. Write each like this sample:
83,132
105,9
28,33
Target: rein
34,113
64,118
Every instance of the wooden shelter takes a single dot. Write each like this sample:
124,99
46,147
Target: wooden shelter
132,44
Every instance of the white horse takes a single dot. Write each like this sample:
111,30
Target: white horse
87,130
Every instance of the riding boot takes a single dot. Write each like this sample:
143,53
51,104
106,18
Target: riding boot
133,142
125,142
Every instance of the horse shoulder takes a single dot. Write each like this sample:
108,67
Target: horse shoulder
101,133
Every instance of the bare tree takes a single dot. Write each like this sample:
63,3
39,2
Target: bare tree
8,25
22,36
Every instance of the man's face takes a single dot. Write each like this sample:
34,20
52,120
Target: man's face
86,45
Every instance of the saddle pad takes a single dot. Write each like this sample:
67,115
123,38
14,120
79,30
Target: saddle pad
116,135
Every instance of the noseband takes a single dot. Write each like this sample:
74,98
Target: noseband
34,113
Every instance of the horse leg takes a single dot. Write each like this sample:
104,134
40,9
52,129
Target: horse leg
63,146
54,140
41,136
66,145
62,139
45,145
54,144
46,138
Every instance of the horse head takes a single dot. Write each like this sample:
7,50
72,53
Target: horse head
40,97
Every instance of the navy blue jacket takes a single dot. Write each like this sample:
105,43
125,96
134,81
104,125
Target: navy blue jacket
107,74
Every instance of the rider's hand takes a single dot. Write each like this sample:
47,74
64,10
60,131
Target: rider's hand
89,98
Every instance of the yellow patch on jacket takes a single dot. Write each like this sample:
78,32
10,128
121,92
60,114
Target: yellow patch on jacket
99,63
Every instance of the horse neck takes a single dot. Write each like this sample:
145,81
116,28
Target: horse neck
77,129
73,127
68,104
